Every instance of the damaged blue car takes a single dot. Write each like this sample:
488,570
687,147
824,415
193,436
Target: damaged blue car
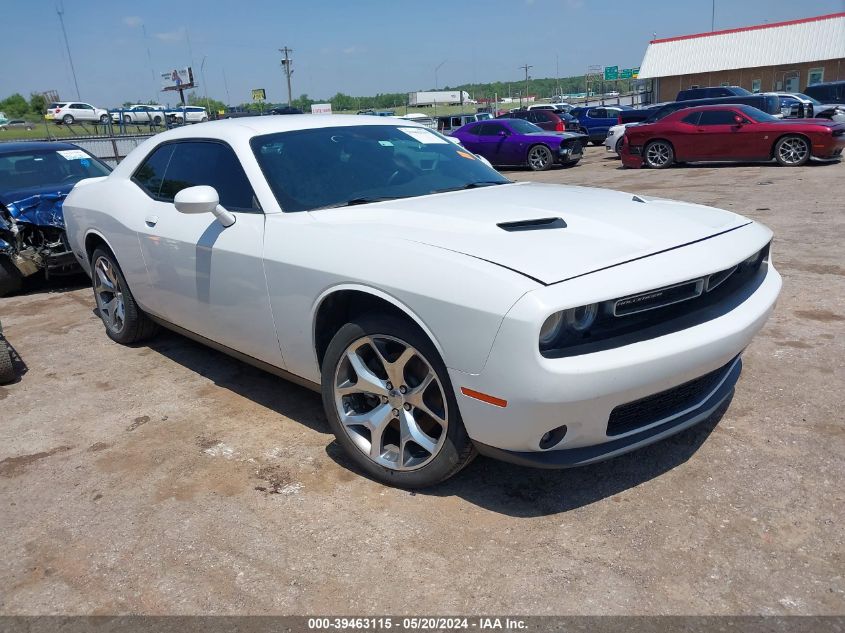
35,178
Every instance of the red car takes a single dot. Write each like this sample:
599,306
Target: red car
730,133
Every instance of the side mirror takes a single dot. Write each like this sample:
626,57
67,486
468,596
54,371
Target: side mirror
739,120
203,199
503,133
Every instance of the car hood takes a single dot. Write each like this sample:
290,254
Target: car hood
41,206
602,227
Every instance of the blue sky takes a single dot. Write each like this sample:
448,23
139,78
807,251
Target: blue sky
357,47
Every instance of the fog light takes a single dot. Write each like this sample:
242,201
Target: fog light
553,437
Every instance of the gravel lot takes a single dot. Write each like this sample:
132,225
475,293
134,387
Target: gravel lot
171,479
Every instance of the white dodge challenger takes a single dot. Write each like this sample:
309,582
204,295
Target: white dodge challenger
441,310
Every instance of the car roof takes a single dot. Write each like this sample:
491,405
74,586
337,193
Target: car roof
28,146
247,127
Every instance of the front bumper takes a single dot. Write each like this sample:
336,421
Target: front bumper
583,391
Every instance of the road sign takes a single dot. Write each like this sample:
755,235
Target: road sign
635,72
259,95
626,73
611,73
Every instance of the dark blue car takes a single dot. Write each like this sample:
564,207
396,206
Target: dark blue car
597,120
35,178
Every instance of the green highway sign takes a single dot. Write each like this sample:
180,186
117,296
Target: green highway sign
635,72
626,73
611,73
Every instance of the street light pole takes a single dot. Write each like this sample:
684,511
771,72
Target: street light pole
205,85
438,67
60,11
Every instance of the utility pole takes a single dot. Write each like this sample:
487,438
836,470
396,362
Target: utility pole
60,11
286,62
713,17
526,68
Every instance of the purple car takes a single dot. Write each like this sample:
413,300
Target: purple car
518,142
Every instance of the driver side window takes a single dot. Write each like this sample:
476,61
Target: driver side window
176,166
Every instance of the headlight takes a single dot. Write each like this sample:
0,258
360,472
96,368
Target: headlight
573,322
550,330
580,319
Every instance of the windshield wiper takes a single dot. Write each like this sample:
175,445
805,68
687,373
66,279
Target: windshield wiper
356,201
471,185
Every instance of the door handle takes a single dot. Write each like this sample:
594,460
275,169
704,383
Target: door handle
151,220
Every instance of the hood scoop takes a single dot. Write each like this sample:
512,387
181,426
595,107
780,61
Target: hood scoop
538,224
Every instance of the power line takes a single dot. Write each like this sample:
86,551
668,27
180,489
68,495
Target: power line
286,63
60,10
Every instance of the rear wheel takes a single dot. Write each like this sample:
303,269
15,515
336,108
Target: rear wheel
390,404
792,151
658,154
157,120
125,322
540,158
11,279
67,119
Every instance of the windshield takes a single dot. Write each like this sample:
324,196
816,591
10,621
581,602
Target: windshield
758,115
344,166
47,168
521,126
801,95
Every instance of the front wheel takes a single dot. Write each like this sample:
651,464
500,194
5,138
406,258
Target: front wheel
792,151
540,158
104,119
125,322
619,145
658,154
390,403
157,120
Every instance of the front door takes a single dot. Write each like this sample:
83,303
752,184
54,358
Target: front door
204,277
493,145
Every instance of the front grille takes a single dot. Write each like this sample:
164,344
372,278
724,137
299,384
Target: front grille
645,411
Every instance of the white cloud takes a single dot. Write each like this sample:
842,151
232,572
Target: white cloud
133,21
349,50
172,36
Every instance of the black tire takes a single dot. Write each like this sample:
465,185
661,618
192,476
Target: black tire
104,119
539,158
204,119
127,119
456,449
7,370
135,326
619,145
792,151
68,119
11,279
157,120
658,154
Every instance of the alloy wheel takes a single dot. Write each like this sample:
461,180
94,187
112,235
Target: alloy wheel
658,154
390,402
109,295
793,151
539,157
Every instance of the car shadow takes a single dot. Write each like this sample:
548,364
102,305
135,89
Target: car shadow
285,398
38,283
523,492
496,486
